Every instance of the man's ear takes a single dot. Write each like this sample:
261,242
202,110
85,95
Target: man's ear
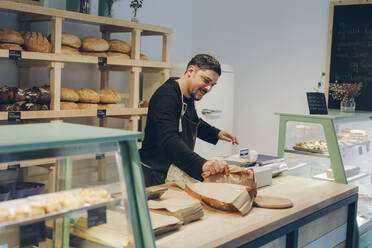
190,70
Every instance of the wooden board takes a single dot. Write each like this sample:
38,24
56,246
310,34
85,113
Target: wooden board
273,202
234,230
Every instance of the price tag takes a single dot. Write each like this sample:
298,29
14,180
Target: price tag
14,116
101,113
15,55
360,150
317,103
100,156
14,167
33,234
102,61
96,217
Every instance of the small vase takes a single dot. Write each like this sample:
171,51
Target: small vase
347,105
134,15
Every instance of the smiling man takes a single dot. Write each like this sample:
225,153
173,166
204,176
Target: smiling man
173,124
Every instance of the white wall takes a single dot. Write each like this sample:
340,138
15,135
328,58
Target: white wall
277,49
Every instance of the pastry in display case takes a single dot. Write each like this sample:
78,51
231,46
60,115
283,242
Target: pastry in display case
333,147
75,207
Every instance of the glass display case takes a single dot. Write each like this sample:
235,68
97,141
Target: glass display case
333,147
96,198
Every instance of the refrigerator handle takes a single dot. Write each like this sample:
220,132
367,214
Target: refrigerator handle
210,111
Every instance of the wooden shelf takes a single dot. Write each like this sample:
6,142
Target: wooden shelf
36,13
50,114
113,64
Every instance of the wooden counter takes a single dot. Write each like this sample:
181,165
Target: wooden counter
313,199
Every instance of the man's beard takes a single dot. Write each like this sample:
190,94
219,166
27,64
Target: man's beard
193,95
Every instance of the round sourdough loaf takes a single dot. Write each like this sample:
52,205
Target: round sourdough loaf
109,96
10,46
11,36
4,215
70,50
93,44
68,106
118,55
36,42
119,46
95,195
143,57
71,40
68,94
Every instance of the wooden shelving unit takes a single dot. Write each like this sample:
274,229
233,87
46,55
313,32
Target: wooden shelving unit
26,14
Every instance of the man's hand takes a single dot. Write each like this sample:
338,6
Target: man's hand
215,166
224,135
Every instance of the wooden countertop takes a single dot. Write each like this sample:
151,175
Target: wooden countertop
216,229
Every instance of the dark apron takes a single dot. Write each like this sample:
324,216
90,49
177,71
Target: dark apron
188,130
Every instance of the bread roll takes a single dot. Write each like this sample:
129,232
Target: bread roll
70,50
37,208
68,94
69,200
36,42
4,215
87,106
143,57
44,97
68,106
93,44
71,40
11,46
95,195
22,212
52,205
95,54
10,36
109,96
88,95
118,55
119,46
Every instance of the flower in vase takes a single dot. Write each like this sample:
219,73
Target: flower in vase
344,91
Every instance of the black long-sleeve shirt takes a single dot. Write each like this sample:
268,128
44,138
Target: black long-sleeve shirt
162,136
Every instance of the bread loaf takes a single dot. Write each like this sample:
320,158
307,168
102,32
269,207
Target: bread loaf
37,208
52,205
118,55
44,97
6,94
69,200
109,96
69,50
87,105
71,40
11,46
68,94
22,212
10,36
95,54
119,46
88,95
93,44
36,42
68,106
95,195
143,57
223,196
4,215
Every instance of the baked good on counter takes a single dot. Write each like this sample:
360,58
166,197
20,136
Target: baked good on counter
69,50
22,212
88,95
68,106
36,42
5,215
68,94
143,57
95,54
6,94
95,195
118,55
109,96
223,196
11,36
87,105
52,205
94,44
119,46
69,200
29,106
320,145
9,46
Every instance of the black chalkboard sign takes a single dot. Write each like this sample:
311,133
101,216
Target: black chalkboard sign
317,103
351,51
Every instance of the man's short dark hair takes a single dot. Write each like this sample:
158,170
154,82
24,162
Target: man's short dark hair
206,62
